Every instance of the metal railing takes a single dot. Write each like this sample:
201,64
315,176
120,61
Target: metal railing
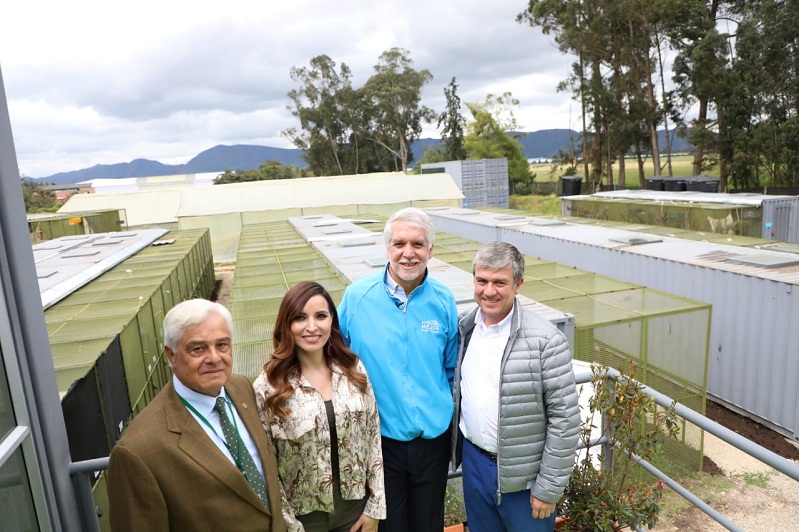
80,471
723,433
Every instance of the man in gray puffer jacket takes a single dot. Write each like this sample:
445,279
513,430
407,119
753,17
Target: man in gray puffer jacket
516,403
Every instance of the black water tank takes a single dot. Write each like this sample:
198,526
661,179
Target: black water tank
703,183
654,183
674,184
571,185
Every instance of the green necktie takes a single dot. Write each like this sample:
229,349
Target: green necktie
240,453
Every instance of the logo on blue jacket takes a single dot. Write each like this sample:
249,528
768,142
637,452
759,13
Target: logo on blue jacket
430,326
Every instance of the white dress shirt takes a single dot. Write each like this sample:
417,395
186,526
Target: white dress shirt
204,404
480,376
394,289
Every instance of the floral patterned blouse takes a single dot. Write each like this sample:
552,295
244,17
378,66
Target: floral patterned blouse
303,445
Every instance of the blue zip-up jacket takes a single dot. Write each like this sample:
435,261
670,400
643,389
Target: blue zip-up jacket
410,352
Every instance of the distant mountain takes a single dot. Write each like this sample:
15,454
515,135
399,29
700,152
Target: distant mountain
135,168
216,159
241,157
547,142
537,144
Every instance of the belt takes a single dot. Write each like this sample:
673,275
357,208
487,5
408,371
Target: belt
492,456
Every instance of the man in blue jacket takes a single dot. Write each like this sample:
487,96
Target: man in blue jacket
517,403
404,326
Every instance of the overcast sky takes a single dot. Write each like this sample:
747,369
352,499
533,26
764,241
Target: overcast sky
96,82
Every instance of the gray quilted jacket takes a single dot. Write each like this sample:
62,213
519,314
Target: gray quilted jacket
538,414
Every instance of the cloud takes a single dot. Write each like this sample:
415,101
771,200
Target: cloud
89,84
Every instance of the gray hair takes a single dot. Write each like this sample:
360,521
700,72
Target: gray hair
497,255
413,217
188,313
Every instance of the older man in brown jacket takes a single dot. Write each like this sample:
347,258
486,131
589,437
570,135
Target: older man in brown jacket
178,465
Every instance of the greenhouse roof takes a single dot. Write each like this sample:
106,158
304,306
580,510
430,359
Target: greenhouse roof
82,325
141,208
362,189
686,196
65,264
166,205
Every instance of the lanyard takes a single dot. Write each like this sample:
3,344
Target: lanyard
237,454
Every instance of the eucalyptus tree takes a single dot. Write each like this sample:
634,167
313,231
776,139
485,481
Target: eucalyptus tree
453,121
267,171
393,94
38,198
320,107
615,43
762,116
701,72
580,28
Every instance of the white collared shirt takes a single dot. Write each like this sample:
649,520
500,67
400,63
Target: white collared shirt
394,289
204,404
480,376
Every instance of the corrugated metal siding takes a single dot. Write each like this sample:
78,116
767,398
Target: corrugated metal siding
781,219
754,340
484,182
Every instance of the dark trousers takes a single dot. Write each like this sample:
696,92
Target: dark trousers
415,474
514,514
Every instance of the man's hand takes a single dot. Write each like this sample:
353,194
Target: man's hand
541,509
365,524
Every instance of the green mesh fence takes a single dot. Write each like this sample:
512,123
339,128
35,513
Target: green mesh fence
82,325
48,227
740,220
272,257
616,322
619,323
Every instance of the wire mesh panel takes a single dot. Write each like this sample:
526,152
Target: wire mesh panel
272,257
618,324
106,338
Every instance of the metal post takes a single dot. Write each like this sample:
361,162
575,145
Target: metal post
21,289
83,489
607,446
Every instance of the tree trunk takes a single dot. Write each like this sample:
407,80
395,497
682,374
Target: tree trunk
586,173
665,109
640,160
597,146
699,151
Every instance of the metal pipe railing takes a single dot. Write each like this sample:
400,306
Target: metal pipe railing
80,471
687,495
723,433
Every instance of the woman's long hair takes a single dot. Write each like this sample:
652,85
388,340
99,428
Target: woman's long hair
284,364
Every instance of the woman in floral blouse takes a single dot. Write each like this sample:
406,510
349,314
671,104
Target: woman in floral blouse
316,402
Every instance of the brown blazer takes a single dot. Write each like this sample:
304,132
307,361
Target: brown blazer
165,473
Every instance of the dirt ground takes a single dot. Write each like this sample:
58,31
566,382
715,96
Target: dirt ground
224,282
771,440
751,494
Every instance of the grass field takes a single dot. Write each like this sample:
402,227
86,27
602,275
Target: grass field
536,204
681,166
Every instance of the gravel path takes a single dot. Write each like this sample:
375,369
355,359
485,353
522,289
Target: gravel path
751,494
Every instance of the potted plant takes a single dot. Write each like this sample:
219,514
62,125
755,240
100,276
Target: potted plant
454,512
608,492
